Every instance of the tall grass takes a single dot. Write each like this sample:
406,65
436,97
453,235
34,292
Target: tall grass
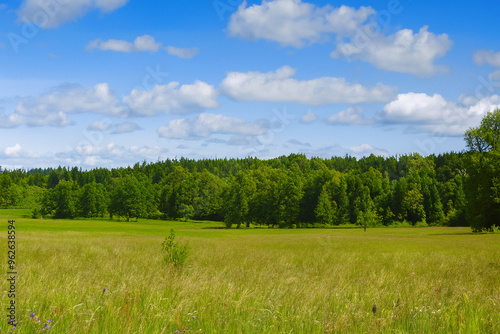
111,280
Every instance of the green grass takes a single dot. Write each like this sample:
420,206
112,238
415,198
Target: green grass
422,280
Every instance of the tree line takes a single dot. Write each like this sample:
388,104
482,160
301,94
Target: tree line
452,189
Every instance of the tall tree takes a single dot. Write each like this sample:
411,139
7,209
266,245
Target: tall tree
93,200
129,198
482,186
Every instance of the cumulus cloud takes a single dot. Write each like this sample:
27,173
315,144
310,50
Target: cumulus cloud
51,14
404,51
298,143
53,107
126,127
184,53
489,57
495,76
308,117
16,153
364,150
13,151
143,43
87,156
293,22
279,86
99,126
108,154
172,98
207,124
434,114
350,116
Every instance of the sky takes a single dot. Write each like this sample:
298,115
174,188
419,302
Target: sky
108,83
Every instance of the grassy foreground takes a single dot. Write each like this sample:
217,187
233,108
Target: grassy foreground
429,280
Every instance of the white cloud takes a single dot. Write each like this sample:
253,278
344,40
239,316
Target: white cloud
43,119
308,117
489,57
126,127
17,153
109,154
365,150
350,116
279,86
52,108
404,51
51,14
436,115
13,151
99,126
495,76
207,124
86,156
293,22
143,43
172,98
417,107
185,53
298,143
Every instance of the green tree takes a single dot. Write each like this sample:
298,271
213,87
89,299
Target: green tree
93,200
482,183
326,209
486,137
237,198
62,200
129,198
178,193
10,193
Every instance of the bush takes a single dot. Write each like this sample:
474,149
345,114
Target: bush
175,252
36,214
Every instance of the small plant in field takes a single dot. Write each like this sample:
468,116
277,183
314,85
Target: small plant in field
46,325
175,253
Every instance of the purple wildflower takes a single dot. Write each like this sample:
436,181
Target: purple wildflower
32,314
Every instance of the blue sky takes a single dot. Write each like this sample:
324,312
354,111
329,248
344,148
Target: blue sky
105,83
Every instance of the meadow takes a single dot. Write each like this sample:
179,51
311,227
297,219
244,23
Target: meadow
102,276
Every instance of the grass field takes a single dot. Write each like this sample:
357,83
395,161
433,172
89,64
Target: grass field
426,280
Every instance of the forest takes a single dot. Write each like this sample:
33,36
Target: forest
452,189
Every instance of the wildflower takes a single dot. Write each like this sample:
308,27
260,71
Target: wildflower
104,290
49,321
32,314
194,317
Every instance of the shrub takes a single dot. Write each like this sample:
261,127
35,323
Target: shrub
175,253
